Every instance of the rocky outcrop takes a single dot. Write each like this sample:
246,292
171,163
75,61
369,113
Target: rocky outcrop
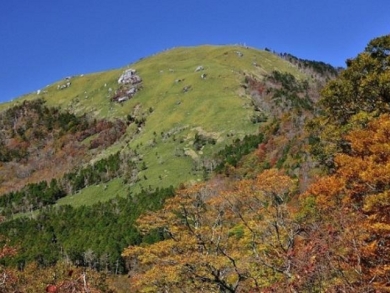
129,77
130,83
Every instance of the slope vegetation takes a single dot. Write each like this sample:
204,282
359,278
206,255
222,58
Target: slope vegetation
183,115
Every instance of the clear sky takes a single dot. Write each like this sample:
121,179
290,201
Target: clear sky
42,41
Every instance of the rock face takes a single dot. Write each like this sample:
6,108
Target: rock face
129,77
130,83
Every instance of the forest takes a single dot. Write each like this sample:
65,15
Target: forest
256,225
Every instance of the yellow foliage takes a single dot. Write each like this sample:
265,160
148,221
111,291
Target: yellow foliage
249,236
375,202
227,238
357,199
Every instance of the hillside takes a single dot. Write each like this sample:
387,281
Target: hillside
216,108
264,234
83,158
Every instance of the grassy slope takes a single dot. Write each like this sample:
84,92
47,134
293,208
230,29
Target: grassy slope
215,106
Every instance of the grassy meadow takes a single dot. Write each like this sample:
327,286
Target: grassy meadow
215,106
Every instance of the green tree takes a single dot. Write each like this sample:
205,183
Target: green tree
363,86
360,93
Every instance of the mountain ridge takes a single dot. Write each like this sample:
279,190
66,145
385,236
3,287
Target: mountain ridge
167,111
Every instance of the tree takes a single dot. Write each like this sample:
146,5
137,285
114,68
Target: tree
230,240
360,93
355,201
8,279
363,86
254,235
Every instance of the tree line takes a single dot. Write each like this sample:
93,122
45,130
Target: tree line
89,236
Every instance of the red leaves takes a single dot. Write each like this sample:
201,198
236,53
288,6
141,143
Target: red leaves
51,289
6,251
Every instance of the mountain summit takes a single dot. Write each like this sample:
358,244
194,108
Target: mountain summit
84,157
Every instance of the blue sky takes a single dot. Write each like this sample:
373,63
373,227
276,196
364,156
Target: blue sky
42,41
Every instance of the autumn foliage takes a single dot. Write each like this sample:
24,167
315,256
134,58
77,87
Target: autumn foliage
261,235
61,278
38,142
356,201
261,225
229,240
258,236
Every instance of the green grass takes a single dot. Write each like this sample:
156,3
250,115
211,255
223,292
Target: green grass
95,193
216,105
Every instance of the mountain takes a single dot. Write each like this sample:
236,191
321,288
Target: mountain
177,120
83,158
267,232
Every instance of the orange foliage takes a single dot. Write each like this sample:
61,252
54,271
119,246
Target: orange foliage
251,237
356,201
229,240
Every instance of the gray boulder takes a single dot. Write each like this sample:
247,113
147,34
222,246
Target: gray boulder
199,68
129,77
